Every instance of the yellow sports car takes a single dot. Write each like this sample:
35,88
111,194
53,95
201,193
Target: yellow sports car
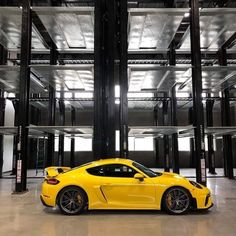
120,184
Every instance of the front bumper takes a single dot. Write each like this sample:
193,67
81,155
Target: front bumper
203,201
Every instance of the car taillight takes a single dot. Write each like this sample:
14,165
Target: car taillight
53,181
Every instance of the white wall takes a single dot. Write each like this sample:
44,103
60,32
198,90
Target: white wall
8,139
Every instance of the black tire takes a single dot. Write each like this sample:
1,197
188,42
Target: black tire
176,201
72,200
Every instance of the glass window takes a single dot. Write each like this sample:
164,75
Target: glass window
113,170
184,144
146,170
144,144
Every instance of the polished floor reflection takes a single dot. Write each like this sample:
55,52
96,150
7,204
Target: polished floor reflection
24,215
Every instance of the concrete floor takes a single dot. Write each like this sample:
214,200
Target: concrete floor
24,215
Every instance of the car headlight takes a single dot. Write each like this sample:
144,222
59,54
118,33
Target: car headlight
195,184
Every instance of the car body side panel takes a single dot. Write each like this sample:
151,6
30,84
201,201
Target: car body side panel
122,193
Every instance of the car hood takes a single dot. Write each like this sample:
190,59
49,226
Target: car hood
171,176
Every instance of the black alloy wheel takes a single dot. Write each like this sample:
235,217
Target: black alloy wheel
176,201
72,201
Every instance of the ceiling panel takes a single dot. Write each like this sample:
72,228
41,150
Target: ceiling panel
78,131
69,28
155,131
10,77
73,28
159,78
153,28
214,78
10,30
66,78
216,27
220,131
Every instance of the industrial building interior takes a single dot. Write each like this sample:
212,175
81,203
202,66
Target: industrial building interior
149,80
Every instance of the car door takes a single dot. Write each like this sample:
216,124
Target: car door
123,191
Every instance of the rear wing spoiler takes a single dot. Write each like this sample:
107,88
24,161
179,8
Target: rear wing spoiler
53,171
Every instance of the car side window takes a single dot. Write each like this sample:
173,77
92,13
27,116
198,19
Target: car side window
98,171
113,170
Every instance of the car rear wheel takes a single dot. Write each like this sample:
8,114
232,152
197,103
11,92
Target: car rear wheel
72,200
176,201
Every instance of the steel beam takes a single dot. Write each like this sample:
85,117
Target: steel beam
211,152
3,61
192,162
15,104
155,140
72,143
52,110
104,79
22,146
2,119
174,122
166,137
61,137
198,117
226,121
87,58
123,77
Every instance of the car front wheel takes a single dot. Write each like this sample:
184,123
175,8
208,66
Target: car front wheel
176,201
72,200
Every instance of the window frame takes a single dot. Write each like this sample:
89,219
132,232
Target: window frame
129,167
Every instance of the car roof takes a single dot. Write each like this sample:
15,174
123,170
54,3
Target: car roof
111,161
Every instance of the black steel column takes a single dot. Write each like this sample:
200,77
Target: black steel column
72,142
211,153
174,122
2,116
166,137
198,116
192,162
155,140
3,61
123,58
16,107
22,146
52,110
226,121
61,137
104,82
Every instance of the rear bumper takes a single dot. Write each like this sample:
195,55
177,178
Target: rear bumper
47,201
43,202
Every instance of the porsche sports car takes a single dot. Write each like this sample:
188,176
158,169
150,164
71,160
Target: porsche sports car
120,184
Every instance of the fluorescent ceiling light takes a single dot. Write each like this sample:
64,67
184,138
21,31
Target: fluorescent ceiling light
186,14
117,101
117,91
182,95
11,95
67,95
83,95
74,85
140,95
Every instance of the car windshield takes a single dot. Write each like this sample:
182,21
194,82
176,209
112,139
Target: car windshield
146,170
